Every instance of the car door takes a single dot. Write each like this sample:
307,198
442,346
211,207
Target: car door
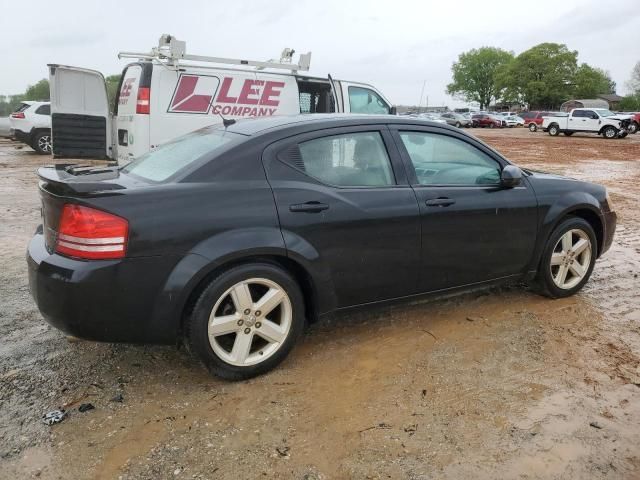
591,120
360,98
344,204
473,229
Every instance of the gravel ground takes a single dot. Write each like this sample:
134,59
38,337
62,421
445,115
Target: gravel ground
498,384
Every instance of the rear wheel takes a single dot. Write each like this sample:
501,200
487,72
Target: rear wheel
568,258
554,130
458,124
246,321
42,143
610,132
533,127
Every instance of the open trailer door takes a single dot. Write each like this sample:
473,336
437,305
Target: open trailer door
80,119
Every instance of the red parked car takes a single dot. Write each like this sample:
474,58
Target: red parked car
486,120
533,119
635,122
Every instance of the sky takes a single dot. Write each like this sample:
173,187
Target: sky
398,46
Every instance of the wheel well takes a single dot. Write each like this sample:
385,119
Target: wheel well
292,267
594,220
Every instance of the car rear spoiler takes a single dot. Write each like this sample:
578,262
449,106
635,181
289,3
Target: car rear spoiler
74,179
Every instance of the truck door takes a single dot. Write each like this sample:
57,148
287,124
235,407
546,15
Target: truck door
361,98
80,119
591,121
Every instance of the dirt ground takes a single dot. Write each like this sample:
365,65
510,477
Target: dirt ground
499,384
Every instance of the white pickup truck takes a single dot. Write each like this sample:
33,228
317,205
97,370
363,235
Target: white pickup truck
589,120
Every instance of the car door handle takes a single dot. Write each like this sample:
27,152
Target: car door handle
439,202
308,207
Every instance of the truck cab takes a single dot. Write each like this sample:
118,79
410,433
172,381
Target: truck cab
167,93
588,120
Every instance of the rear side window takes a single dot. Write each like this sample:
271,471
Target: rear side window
349,160
444,160
578,113
365,100
171,158
44,110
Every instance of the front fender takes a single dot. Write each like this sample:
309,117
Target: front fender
552,214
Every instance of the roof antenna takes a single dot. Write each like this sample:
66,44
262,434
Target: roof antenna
227,122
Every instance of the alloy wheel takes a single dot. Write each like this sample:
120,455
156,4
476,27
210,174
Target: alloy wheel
44,143
250,322
571,259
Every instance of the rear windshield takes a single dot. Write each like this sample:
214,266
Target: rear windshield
171,158
22,107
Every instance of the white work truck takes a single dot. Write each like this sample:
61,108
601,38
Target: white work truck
166,93
589,120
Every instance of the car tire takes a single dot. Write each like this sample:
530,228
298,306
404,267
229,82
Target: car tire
491,125
549,279
633,127
609,132
42,143
533,127
458,125
554,130
568,134
232,347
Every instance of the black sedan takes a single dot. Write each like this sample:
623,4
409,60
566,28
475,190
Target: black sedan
231,238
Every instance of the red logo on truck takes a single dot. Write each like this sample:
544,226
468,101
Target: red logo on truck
237,97
125,91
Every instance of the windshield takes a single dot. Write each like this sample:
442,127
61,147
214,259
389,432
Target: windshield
605,113
169,159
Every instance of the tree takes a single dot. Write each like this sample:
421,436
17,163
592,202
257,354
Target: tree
542,76
39,91
112,82
630,103
474,74
634,82
589,82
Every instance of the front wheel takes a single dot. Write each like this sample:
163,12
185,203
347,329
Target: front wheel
246,321
633,127
554,130
533,127
491,125
568,258
610,132
458,124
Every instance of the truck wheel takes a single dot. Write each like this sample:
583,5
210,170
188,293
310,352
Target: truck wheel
568,134
633,127
554,130
533,127
610,132
42,143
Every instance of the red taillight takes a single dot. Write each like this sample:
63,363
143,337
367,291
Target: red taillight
17,115
92,234
144,95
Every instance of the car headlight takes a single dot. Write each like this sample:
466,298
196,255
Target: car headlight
609,202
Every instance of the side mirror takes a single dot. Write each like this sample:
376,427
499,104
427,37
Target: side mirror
393,110
511,176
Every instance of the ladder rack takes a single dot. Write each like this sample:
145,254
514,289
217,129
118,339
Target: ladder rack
173,50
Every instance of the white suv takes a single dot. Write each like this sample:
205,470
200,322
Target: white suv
31,124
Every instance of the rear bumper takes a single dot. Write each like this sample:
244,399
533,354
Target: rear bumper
106,300
21,136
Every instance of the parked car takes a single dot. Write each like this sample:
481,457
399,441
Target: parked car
514,121
31,124
432,117
481,120
533,119
456,119
250,231
589,120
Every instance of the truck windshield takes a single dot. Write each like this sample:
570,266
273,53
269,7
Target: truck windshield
169,159
605,113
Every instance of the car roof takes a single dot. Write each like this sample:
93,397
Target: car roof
320,120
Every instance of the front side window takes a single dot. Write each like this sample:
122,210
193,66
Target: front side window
349,160
443,160
365,100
